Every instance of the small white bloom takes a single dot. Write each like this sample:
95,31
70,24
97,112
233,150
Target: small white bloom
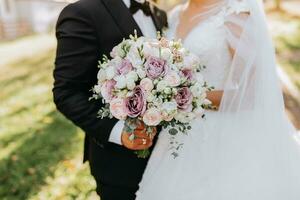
130,84
141,73
132,76
150,97
167,90
121,81
200,79
185,117
169,110
101,76
110,72
199,112
161,85
197,90
97,89
166,54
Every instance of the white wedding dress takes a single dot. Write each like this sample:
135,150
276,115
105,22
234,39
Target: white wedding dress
245,152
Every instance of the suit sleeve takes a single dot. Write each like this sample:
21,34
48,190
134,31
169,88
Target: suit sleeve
75,71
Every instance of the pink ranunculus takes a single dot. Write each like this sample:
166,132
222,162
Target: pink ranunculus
117,108
188,74
124,67
183,98
155,67
136,103
107,90
152,117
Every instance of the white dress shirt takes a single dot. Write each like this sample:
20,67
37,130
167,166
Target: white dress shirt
148,29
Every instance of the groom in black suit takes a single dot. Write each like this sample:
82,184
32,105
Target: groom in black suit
85,31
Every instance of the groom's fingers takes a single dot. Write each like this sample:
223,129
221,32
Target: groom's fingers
141,144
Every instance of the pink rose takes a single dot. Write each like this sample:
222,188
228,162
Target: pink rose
117,108
172,79
155,67
146,84
152,117
107,90
184,98
124,67
136,104
188,74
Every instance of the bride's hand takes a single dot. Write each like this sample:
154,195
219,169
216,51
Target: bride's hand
215,97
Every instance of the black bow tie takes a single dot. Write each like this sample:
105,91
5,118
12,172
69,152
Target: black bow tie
135,6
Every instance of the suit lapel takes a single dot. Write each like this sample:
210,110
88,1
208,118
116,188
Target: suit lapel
122,17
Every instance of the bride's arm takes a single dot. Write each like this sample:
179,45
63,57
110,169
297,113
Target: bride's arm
215,96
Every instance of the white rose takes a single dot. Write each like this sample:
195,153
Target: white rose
197,90
166,54
141,73
121,82
101,76
152,117
110,72
149,50
169,110
161,85
147,84
132,76
185,117
172,79
130,84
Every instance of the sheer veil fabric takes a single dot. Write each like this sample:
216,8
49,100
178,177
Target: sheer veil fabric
252,151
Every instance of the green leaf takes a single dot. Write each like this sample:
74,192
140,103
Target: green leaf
173,131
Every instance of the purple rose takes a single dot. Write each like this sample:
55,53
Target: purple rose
136,104
188,74
124,67
183,98
155,67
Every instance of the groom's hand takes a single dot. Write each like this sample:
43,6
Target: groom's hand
143,140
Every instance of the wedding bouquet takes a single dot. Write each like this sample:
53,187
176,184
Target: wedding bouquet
155,81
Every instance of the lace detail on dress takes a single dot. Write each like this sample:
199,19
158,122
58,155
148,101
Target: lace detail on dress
237,7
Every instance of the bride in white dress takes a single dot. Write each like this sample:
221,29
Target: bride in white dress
247,150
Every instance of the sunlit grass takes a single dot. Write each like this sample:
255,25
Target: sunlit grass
287,41
41,152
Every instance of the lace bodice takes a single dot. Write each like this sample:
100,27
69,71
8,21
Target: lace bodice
208,40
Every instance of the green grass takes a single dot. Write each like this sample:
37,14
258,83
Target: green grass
288,45
41,152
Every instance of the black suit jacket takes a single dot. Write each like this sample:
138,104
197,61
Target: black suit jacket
85,31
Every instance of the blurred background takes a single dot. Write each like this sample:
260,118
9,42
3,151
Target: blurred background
40,151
